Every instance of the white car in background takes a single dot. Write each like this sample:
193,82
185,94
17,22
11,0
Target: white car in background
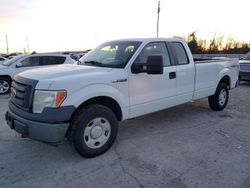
2,59
245,68
17,64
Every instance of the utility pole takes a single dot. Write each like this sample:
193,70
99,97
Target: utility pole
28,47
158,18
7,44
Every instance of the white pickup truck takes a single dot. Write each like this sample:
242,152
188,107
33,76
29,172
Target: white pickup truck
118,80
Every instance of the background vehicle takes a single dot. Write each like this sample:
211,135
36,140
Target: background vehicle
74,56
245,68
2,59
26,62
116,81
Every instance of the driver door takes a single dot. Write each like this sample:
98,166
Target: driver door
149,93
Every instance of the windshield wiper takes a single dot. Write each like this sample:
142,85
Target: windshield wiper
93,63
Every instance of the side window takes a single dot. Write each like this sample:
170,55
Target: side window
51,60
157,48
30,61
180,53
60,60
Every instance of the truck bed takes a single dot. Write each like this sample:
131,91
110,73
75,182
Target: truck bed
208,71
210,60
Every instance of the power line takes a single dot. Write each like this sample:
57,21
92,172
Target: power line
7,44
28,46
158,18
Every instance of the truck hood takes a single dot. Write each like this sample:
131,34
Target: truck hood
73,78
61,72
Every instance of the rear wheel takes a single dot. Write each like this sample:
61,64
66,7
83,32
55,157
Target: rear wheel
5,84
219,100
94,129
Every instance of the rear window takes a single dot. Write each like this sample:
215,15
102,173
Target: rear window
180,53
52,60
247,56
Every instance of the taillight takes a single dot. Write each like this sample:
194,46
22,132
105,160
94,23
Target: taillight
238,67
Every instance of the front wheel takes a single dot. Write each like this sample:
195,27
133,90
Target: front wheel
219,100
5,85
93,130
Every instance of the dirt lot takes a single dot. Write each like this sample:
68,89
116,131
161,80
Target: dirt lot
186,146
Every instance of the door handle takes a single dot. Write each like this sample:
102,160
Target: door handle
119,80
172,75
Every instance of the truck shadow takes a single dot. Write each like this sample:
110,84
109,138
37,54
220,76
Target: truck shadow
183,116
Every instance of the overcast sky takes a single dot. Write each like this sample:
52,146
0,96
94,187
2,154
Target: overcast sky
57,25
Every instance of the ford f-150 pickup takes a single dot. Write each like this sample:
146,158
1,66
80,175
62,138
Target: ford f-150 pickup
118,80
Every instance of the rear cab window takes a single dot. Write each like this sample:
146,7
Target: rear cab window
180,53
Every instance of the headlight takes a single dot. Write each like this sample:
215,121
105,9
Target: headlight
44,99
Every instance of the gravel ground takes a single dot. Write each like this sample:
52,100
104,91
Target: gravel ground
185,146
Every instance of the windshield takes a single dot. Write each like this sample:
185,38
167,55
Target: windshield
247,56
114,54
13,60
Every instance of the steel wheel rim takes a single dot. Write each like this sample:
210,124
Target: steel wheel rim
4,86
97,132
222,97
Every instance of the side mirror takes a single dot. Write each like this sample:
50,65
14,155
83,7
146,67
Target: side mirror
155,65
18,65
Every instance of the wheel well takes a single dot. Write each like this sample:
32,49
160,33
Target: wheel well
6,76
105,101
226,80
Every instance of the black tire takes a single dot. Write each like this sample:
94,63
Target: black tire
215,102
83,120
4,82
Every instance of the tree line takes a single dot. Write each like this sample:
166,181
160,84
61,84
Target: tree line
216,45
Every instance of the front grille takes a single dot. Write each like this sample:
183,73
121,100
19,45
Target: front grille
22,92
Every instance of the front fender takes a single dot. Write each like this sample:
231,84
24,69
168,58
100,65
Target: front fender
76,98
